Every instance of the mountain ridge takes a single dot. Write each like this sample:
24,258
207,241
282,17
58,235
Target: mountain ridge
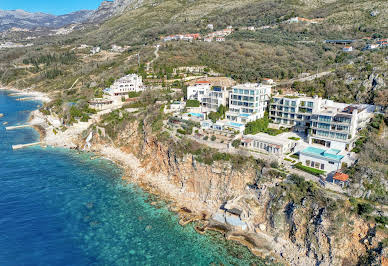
29,20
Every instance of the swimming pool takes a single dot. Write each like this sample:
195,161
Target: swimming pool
330,153
233,124
196,114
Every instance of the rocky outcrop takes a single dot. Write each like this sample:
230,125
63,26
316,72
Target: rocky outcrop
109,9
274,217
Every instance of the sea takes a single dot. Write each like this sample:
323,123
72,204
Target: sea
60,207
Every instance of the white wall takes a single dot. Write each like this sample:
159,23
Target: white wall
328,167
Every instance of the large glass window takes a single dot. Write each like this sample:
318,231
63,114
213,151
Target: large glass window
324,118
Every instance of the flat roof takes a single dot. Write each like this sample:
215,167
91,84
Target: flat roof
278,140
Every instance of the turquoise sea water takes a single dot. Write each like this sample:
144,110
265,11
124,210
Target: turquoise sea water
58,207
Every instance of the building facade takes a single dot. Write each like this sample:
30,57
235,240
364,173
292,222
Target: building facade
328,160
198,90
273,145
214,98
327,123
248,102
127,84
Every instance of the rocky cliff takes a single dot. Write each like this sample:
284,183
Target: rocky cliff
289,219
108,9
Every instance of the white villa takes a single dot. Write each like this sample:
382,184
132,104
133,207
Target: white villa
126,84
198,90
214,98
248,102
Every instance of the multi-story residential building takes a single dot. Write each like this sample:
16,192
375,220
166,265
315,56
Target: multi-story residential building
214,98
126,84
336,125
294,111
248,102
198,90
331,124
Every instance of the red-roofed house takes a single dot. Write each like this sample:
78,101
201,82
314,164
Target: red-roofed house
347,49
341,179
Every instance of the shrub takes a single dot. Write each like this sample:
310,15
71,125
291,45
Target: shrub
192,103
213,138
364,208
181,131
274,164
133,94
205,138
236,143
382,220
259,125
294,138
309,170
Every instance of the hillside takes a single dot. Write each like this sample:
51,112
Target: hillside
279,39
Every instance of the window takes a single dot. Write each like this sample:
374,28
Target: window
322,166
331,162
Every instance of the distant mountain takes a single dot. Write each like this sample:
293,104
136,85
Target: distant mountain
27,20
109,9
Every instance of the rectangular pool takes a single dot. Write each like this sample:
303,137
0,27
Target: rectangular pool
196,114
328,154
233,124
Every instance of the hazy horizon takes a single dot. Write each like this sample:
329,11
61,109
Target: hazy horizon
49,7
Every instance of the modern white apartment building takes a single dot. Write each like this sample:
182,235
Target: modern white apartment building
198,90
126,84
248,102
214,98
330,124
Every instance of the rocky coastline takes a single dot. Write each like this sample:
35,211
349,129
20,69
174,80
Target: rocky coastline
292,234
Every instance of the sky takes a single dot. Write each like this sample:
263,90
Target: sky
56,7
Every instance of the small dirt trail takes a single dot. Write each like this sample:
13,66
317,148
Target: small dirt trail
156,53
308,78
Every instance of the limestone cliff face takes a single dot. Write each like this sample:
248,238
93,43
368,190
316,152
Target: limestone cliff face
108,9
298,230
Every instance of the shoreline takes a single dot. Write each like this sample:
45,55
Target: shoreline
30,94
186,216
259,244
